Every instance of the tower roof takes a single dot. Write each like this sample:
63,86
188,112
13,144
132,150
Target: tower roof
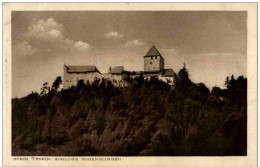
153,52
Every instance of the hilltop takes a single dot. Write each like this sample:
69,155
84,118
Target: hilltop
147,117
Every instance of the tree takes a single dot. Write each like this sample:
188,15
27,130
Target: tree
227,82
56,84
32,95
203,90
241,84
217,95
236,90
81,84
216,92
232,81
183,81
45,88
141,79
183,73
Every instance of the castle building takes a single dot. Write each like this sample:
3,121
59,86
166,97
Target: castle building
117,75
72,74
153,67
153,60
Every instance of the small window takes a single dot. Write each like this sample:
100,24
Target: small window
151,58
155,57
151,62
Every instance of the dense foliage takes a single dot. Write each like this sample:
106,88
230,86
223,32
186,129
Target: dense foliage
148,117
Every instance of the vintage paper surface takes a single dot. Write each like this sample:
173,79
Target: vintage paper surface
249,160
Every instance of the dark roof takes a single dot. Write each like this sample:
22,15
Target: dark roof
117,70
165,72
146,72
81,69
136,72
153,52
152,71
168,73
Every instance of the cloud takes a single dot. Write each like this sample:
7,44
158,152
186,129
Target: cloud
44,47
81,45
113,34
54,33
45,29
133,43
48,35
23,48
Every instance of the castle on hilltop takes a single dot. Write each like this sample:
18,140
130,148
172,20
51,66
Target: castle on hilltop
153,67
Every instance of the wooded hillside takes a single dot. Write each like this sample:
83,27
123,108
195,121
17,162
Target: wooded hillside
145,118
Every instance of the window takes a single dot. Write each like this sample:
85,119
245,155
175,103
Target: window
151,62
155,57
151,58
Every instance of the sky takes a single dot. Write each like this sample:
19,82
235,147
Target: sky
212,44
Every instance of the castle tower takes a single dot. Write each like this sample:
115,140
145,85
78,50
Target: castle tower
153,60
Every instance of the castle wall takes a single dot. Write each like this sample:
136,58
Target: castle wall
153,63
116,79
67,79
71,79
161,63
112,77
168,80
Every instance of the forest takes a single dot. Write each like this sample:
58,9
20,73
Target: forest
145,118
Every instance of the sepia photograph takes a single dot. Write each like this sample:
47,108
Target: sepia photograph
131,83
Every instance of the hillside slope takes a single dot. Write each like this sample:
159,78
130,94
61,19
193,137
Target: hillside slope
146,118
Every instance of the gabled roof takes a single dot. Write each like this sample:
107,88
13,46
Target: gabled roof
168,73
81,69
153,52
117,70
